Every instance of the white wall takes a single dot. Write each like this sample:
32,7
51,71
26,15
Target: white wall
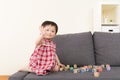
20,19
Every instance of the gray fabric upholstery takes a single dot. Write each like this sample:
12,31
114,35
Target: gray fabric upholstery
78,49
107,48
18,76
75,48
114,74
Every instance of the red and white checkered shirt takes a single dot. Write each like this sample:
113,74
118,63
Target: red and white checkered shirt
43,57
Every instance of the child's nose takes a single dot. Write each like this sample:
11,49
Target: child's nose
49,32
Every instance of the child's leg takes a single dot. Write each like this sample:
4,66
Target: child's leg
56,68
27,68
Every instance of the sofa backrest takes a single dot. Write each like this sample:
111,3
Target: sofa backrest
75,48
107,48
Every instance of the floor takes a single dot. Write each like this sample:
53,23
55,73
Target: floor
4,77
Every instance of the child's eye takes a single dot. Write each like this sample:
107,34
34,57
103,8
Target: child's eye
47,29
53,31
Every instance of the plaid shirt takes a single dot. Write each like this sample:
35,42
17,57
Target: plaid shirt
43,57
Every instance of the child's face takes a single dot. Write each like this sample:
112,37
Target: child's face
48,31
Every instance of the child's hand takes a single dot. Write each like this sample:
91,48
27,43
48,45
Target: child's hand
62,65
42,34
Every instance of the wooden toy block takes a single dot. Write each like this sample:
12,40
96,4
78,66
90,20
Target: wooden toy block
107,65
103,66
96,74
99,69
75,71
68,66
61,69
71,69
75,66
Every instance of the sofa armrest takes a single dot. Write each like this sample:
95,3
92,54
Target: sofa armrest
18,75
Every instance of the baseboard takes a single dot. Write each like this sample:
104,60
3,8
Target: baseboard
4,77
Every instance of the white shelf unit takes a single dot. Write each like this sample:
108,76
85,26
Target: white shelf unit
110,28
106,17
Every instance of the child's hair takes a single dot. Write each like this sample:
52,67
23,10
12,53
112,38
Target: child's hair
45,23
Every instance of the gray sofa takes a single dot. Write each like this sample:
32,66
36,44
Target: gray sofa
83,49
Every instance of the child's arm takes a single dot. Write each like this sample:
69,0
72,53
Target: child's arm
42,34
39,40
27,68
58,61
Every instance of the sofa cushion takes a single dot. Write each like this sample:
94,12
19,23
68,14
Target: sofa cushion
114,74
75,48
107,48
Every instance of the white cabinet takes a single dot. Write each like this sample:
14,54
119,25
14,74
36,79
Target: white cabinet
110,29
106,17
